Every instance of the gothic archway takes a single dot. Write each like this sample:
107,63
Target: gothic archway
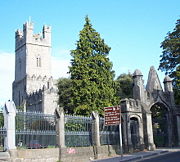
160,117
134,127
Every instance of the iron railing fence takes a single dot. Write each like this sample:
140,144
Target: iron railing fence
3,134
35,121
35,129
78,130
109,135
33,139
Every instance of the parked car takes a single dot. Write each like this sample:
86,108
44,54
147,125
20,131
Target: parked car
34,144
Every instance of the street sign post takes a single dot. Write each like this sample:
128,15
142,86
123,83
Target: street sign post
112,116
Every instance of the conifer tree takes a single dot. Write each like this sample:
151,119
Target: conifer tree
91,73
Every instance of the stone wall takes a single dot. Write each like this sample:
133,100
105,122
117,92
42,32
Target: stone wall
77,154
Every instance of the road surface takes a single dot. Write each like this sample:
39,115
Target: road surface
170,157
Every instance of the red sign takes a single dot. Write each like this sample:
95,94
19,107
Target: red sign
112,115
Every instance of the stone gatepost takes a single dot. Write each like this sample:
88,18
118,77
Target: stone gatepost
95,133
151,145
59,112
125,140
9,113
178,128
141,135
130,147
95,129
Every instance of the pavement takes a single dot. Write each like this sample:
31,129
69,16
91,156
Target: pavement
138,156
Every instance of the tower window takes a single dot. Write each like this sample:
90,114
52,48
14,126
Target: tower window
38,61
19,64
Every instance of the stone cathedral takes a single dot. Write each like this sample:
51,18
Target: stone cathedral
33,87
35,90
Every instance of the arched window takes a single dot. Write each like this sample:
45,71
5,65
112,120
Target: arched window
38,61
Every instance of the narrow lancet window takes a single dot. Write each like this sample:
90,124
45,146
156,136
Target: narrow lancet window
38,62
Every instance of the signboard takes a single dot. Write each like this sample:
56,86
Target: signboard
112,115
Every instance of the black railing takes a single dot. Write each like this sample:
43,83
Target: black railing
35,130
78,131
109,135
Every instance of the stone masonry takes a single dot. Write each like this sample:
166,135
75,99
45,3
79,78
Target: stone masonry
137,112
33,87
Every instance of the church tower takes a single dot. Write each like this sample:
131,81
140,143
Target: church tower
32,62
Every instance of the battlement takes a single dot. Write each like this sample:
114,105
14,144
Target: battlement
130,105
27,36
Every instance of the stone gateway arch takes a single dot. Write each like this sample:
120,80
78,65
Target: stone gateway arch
151,119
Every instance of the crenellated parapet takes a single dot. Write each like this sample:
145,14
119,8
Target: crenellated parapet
27,36
130,105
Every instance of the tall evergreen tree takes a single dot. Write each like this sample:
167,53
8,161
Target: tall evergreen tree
170,59
91,73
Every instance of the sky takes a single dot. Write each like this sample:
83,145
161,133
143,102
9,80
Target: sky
134,29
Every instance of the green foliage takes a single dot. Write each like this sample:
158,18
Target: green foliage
74,127
65,93
124,86
51,146
91,72
159,121
177,95
170,59
1,120
159,141
21,107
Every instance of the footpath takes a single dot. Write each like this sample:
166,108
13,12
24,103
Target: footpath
139,155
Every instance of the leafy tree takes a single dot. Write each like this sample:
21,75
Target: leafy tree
65,93
159,123
91,73
124,86
170,59
1,120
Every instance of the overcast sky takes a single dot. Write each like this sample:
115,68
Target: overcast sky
133,29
